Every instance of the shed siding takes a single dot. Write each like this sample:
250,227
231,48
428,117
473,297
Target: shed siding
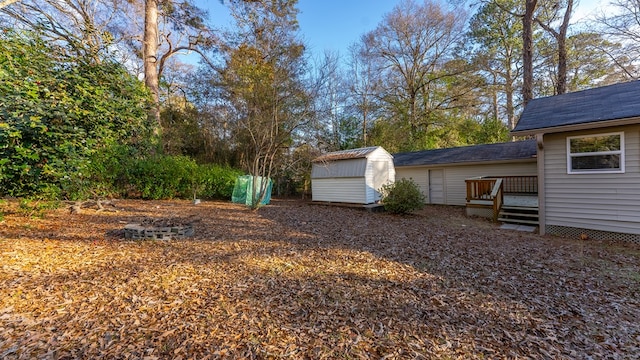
339,169
345,190
379,171
455,190
352,180
606,202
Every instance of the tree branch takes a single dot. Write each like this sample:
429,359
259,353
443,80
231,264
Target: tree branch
6,3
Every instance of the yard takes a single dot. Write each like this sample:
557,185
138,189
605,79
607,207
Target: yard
295,280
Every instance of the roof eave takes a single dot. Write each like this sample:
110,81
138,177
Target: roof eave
578,127
477,162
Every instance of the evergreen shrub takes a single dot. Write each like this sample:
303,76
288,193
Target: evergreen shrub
217,181
402,197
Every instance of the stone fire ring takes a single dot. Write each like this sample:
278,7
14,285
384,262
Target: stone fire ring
140,232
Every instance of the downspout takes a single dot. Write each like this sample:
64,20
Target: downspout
541,192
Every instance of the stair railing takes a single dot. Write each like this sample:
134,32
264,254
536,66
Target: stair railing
487,191
498,198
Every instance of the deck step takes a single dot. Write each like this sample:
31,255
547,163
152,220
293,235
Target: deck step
480,202
523,215
518,214
518,221
523,208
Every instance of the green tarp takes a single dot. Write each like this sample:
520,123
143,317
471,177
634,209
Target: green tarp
244,188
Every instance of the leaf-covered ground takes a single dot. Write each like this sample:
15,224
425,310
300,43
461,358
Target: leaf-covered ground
303,281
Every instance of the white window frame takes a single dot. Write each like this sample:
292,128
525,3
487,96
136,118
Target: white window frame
620,152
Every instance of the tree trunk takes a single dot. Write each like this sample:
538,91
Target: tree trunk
561,86
150,55
365,113
494,95
561,40
562,50
527,51
508,91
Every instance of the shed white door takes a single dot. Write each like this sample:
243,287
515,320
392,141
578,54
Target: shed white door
436,186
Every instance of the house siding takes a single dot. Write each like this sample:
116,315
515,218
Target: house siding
344,190
420,175
454,176
436,186
603,202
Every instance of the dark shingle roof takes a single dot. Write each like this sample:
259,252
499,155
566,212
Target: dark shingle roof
518,150
613,102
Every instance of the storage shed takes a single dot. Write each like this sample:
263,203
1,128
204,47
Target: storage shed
351,176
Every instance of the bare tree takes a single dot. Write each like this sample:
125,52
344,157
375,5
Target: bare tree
622,23
98,27
263,86
413,44
550,15
544,13
159,42
87,27
363,84
527,50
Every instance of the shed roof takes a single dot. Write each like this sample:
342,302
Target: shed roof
519,150
347,154
613,102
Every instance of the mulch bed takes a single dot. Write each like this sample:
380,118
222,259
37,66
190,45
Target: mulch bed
304,281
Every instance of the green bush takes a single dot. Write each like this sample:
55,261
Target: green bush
168,177
161,177
110,168
57,111
217,181
401,197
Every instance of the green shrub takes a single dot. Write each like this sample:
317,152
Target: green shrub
161,177
217,181
168,177
401,197
57,111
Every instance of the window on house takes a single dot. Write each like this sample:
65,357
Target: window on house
601,153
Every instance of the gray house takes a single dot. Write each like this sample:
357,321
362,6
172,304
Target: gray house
588,161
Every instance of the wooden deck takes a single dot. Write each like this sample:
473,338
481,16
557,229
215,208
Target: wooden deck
512,199
521,200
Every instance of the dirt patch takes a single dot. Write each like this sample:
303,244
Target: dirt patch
298,280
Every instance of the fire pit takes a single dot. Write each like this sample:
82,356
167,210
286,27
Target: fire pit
158,230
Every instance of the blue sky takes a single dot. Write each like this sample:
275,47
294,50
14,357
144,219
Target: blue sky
336,24
325,24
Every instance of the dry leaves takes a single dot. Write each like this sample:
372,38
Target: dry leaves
296,280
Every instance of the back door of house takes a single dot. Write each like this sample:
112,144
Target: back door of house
436,186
